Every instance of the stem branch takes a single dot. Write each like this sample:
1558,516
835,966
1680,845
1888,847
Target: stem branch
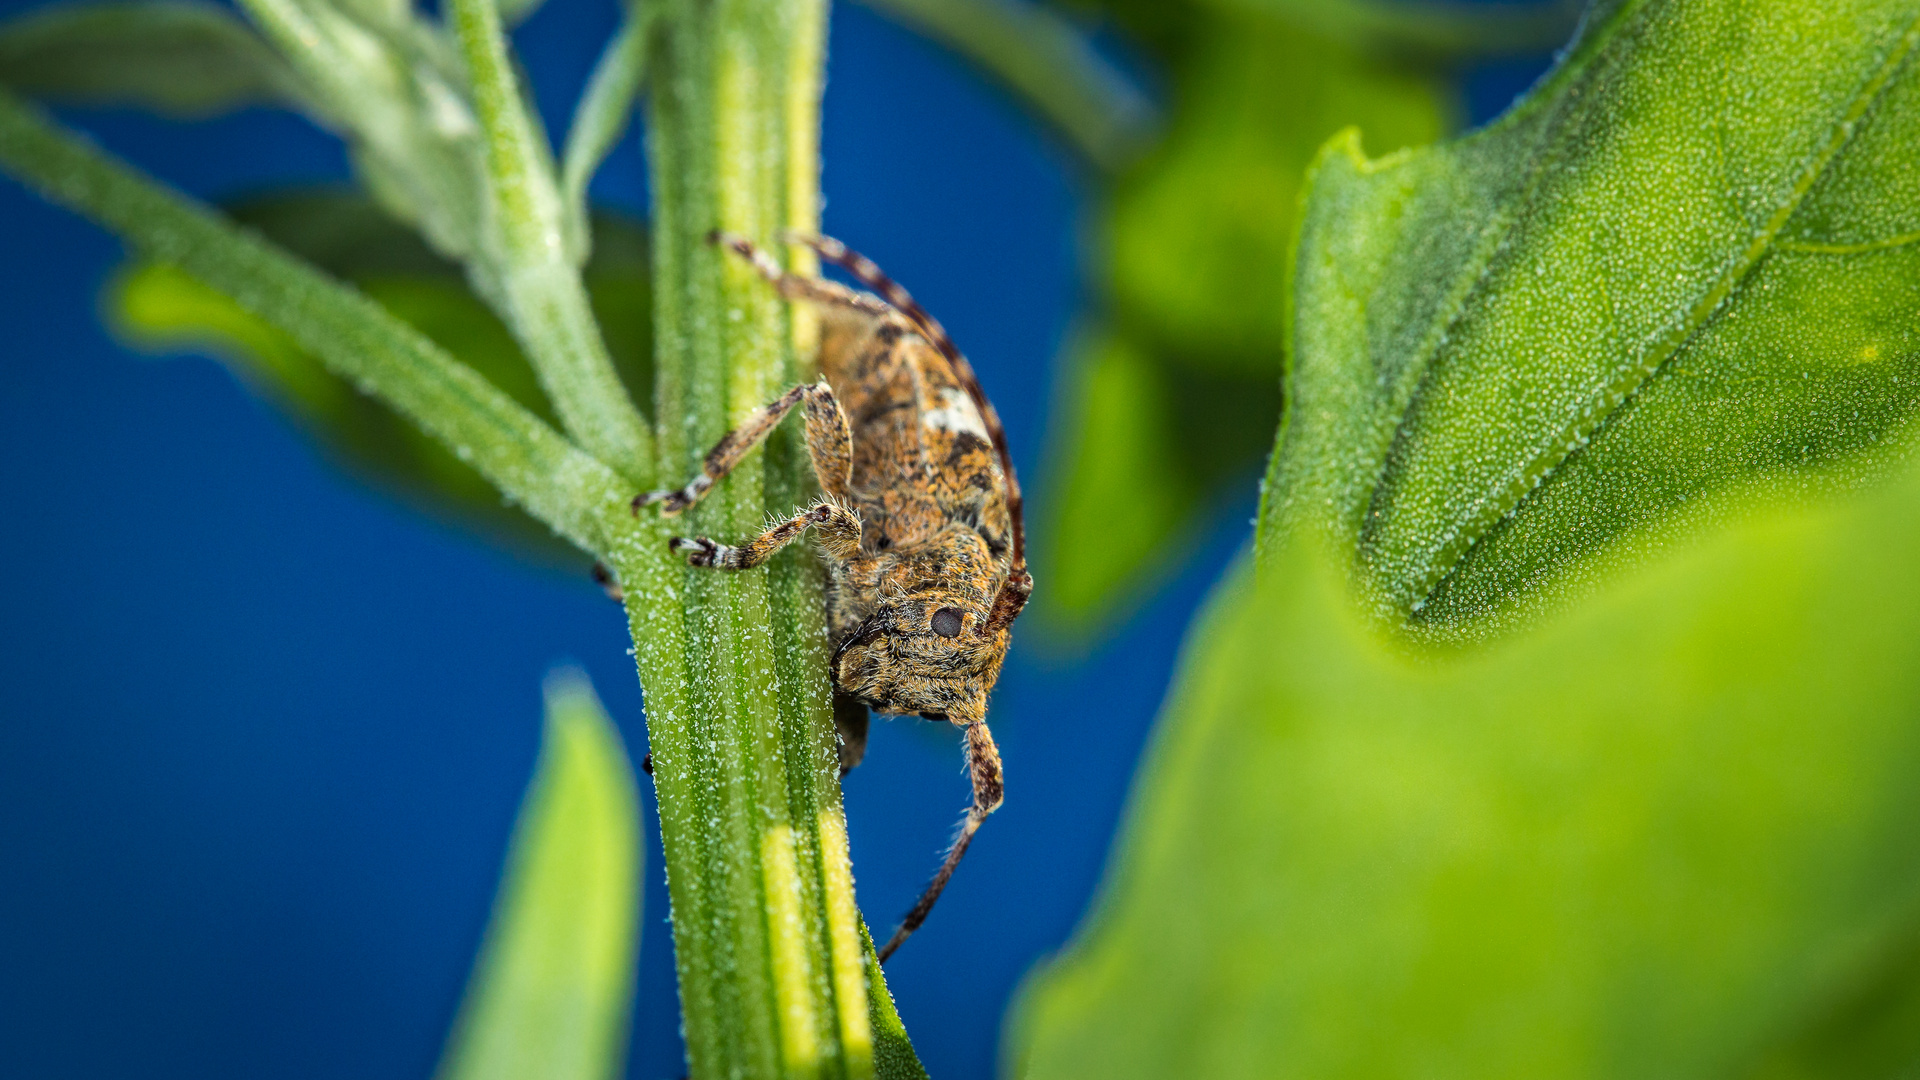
531,463
524,246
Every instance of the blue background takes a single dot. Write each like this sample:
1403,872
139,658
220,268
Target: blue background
264,731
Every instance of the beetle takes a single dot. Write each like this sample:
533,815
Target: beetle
920,521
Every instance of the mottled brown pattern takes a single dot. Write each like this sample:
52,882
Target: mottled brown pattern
920,526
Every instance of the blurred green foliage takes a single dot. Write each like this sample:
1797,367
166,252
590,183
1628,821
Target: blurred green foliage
1565,725
177,57
1690,264
550,992
1193,244
159,308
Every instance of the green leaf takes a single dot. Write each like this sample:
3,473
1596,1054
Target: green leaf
1670,834
528,255
893,1054
176,57
395,88
161,309
1173,404
515,12
1119,494
602,116
1686,267
1201,232
550,992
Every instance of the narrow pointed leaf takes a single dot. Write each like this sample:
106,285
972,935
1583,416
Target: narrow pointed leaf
515,12
525,249
529,462
893,1054
394,89
1687,265
602,117
549,995
161,309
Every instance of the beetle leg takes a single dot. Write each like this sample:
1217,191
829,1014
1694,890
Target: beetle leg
839,529
829,444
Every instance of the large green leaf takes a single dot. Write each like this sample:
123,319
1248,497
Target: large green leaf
1673,834
161,308
1687,267
177,57
549,994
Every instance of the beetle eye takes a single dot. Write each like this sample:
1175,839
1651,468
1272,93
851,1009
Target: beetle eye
946,622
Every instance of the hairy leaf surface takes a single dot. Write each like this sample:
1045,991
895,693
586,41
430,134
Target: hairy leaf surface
1672,834
1686,266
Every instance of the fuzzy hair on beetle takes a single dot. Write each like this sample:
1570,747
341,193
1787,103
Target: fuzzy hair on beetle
919,523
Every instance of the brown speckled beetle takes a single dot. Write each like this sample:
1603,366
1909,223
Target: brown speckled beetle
920,522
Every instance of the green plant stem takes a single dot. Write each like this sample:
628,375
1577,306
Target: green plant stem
1046,62
773,979
525,247
528,461
777,976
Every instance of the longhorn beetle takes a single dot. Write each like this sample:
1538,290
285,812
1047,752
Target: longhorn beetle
920,524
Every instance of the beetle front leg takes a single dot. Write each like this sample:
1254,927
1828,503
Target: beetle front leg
829,446
838,526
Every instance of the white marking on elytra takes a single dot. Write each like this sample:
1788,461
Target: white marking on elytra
957,413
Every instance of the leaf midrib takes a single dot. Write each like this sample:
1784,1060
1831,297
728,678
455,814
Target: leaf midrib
1495,231
1593,412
